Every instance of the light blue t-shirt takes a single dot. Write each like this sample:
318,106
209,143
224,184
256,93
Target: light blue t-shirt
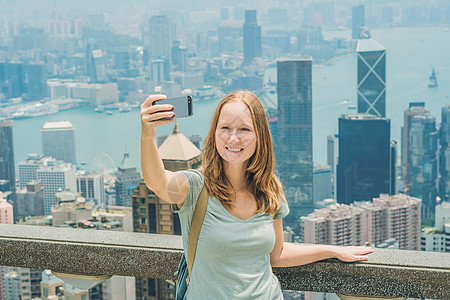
232,260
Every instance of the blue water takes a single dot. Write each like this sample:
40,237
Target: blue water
410,56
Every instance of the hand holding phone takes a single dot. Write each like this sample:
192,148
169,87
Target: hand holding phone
182,106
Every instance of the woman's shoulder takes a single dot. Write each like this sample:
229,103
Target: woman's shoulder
194,177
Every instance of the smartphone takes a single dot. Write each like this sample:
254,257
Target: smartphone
182,106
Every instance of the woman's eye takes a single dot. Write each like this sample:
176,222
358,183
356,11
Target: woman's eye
225,127
245,129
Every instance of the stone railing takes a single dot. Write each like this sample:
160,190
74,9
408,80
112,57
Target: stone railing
388,273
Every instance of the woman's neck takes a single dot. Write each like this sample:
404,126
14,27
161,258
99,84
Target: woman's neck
236,175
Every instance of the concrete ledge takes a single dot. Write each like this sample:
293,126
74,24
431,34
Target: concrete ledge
393,273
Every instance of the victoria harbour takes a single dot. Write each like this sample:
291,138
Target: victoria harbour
411,54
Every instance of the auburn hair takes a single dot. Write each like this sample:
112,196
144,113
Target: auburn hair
260,171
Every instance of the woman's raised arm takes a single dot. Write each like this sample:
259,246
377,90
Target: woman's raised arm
169,186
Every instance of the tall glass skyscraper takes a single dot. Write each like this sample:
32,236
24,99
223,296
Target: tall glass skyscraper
444,156
160,37
371,77
365,158
415,108
357,20
7,173
252,37
423,162
295,165
58,141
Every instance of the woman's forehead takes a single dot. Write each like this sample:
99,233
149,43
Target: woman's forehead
235,112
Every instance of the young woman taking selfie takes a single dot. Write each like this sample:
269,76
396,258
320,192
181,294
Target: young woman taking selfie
241,237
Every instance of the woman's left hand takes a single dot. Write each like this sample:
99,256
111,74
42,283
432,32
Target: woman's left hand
353,253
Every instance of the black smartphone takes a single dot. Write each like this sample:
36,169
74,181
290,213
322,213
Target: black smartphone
182,106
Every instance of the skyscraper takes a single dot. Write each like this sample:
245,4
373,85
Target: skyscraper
423,166
128,178
444,155
153,215
28,168
95,62
357,20
415,108
7,172
252,37
160,38
365,162
295,165
56,176
371,77
58,141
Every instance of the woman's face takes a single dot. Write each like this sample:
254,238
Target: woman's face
235,134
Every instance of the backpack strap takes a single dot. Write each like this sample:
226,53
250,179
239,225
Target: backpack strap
196,226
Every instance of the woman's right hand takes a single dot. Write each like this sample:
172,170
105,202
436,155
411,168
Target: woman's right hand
156,115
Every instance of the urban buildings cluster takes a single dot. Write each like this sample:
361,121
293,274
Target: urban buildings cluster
377,198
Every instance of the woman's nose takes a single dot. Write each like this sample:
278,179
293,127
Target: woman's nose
234,135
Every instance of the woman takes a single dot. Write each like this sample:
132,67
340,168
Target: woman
242,233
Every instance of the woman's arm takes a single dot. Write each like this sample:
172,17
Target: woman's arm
169,186
289,254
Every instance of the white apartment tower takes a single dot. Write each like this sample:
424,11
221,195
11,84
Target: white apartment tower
337,224
58,141
92,187
56,176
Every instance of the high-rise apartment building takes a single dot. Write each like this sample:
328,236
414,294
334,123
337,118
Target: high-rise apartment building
153,215
295,164
92,187
21,283
337,224
160,37
252,37
371,77
400,220
423,167
415,108
373,222
58,141
365,158
444,155
7,172
357,20
128,178
56,176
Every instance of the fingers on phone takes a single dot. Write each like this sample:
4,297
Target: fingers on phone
152,98
157,116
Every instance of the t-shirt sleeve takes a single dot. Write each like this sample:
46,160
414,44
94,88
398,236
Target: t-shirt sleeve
195,182
283,211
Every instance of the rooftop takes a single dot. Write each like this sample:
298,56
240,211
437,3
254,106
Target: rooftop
369,45
57,125
178,147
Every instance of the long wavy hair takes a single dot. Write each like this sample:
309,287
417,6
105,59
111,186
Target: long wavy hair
260,171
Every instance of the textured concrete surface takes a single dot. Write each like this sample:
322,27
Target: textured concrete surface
393,273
